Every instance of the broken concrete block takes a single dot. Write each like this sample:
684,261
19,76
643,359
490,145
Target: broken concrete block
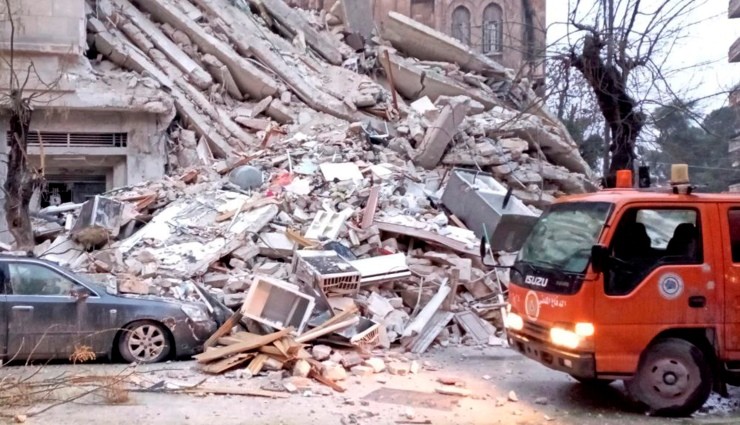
246,252
132,285
475,106
356,17
378,306
301,368
321,352
414,367
99,221
216,280
462,392
362,370
333,371
299,382
378,365
237,264
280,112
439,136
351,359
268,268
397,368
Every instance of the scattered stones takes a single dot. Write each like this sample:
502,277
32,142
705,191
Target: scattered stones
377,365
301,368
321,352
512,397
333,371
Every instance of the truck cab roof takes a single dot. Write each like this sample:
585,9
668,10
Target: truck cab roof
622,196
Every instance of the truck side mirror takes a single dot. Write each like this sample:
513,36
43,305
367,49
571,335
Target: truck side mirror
599,258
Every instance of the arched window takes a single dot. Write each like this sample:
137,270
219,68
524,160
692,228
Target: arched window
461,24
493,28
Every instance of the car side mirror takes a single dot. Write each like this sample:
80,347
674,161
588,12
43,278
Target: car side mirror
80,294
599,258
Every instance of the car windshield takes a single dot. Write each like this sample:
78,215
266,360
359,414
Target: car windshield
563,236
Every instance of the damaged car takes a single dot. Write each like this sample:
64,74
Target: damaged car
47,312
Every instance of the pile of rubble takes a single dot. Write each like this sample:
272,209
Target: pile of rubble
309,196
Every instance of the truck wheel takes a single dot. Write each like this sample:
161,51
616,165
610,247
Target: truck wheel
592,382
144,342
673,379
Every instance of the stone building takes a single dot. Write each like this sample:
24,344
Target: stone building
733,12
510,31
91,129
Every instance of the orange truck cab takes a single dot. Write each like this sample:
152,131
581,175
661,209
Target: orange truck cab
635,285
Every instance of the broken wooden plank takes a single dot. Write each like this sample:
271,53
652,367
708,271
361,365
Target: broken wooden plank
315,373
474,326
257,363
438,322
235,391
221,352
223,365
427,236
224,330
368,216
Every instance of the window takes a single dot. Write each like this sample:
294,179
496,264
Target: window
34,279
649,238
734,221
493,29
461,24
562,239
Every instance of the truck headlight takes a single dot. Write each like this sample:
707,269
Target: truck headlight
585,330
514,322
195,313
564,338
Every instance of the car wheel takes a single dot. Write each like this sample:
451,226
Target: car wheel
144,342
593,382
673,379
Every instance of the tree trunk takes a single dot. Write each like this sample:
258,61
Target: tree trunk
19,184
618,108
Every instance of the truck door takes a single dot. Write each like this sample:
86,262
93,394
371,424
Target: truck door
661,276
730,222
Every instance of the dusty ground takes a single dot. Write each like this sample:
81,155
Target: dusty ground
544,397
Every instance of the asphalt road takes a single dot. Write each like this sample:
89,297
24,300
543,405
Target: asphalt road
490,373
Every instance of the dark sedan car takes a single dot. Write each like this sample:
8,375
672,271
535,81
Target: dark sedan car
46,312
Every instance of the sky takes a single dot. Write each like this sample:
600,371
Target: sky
705,43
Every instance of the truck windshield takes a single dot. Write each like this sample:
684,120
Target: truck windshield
562,238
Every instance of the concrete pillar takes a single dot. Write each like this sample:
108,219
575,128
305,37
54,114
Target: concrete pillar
118,176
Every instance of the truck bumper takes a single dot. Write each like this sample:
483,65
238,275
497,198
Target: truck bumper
581,365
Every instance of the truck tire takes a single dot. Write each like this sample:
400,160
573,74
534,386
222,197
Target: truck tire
144,342
674,378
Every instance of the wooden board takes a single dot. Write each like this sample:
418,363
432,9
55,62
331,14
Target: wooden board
237,391
255,366
225,364
218,353
224,330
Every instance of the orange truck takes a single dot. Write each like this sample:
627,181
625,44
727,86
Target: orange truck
635,285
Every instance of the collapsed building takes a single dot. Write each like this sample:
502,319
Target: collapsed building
311,187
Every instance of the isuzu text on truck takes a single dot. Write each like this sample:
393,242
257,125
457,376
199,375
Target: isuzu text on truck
637,285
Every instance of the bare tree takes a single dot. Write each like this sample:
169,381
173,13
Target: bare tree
17,103
620,50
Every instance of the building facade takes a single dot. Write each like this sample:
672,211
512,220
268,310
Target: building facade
91,130
511,32
733,12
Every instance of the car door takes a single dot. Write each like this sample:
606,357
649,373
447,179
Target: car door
43,316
